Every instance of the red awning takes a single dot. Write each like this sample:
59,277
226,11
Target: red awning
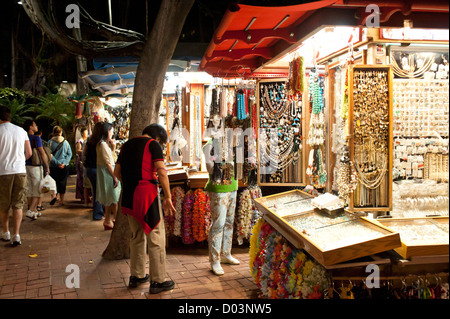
249,36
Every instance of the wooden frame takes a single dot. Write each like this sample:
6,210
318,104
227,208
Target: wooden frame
408,251
388,175
329,257
302,156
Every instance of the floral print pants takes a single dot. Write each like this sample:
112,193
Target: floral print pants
220,236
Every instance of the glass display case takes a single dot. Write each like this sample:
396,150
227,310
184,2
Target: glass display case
420,236
330,239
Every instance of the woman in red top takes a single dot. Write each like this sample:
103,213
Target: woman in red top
139,167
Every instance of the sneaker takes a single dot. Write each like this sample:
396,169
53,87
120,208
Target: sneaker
135,281
16,240
217,268
32,215
6,236
156,288
229,260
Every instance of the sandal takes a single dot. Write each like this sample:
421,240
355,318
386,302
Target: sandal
40,208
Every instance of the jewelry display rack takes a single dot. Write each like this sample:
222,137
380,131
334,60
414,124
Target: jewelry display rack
371,136
279,164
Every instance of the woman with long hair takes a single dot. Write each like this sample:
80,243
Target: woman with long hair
90,162
108,186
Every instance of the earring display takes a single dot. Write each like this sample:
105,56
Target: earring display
371,123
280,123
421,108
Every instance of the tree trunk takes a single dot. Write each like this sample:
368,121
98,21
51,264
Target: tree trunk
155,59
149,84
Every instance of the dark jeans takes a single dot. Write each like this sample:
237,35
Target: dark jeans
98,208
60,176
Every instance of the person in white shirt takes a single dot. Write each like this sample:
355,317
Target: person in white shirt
15,149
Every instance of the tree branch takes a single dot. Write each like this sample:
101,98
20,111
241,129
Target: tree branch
46,23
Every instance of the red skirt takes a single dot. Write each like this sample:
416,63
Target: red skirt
143,204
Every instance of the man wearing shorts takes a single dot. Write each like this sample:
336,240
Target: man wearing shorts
34,172
15,149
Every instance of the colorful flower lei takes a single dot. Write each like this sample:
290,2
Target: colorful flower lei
208,220
177,199
244,217
188,204
198,216
281,271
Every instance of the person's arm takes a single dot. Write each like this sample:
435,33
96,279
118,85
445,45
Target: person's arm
163,178
117,172
44,160
68,154
79,149
103,157
28,151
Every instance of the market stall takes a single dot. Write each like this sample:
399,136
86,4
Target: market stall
360,112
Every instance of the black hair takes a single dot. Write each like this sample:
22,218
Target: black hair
97,133
155,131
27,124
105,130
5,113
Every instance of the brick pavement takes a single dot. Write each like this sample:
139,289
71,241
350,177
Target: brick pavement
67,235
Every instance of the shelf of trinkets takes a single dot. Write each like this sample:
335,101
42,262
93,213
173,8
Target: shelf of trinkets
329,239
410,155
295,202
421,107
280,127
419,198
338,233
421,236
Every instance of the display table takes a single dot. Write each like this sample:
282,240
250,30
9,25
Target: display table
299,252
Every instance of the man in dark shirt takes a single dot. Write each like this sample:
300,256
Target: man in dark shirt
139,167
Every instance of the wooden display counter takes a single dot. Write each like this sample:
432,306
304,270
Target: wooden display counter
329,239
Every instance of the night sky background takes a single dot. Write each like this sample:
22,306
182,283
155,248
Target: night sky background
59,65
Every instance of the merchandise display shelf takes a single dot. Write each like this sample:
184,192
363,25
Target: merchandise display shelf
329,239
428,236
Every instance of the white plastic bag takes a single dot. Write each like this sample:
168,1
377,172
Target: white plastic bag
48,184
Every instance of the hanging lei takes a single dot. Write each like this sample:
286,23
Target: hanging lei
198,216
244,217
281,271
178,198
187,218
168,223
208,218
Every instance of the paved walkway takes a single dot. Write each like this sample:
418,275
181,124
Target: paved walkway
67,235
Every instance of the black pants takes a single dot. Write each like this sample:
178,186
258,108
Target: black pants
60,176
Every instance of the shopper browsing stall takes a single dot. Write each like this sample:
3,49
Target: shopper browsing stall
140,159
108,187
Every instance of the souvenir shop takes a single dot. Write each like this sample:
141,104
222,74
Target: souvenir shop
351,126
